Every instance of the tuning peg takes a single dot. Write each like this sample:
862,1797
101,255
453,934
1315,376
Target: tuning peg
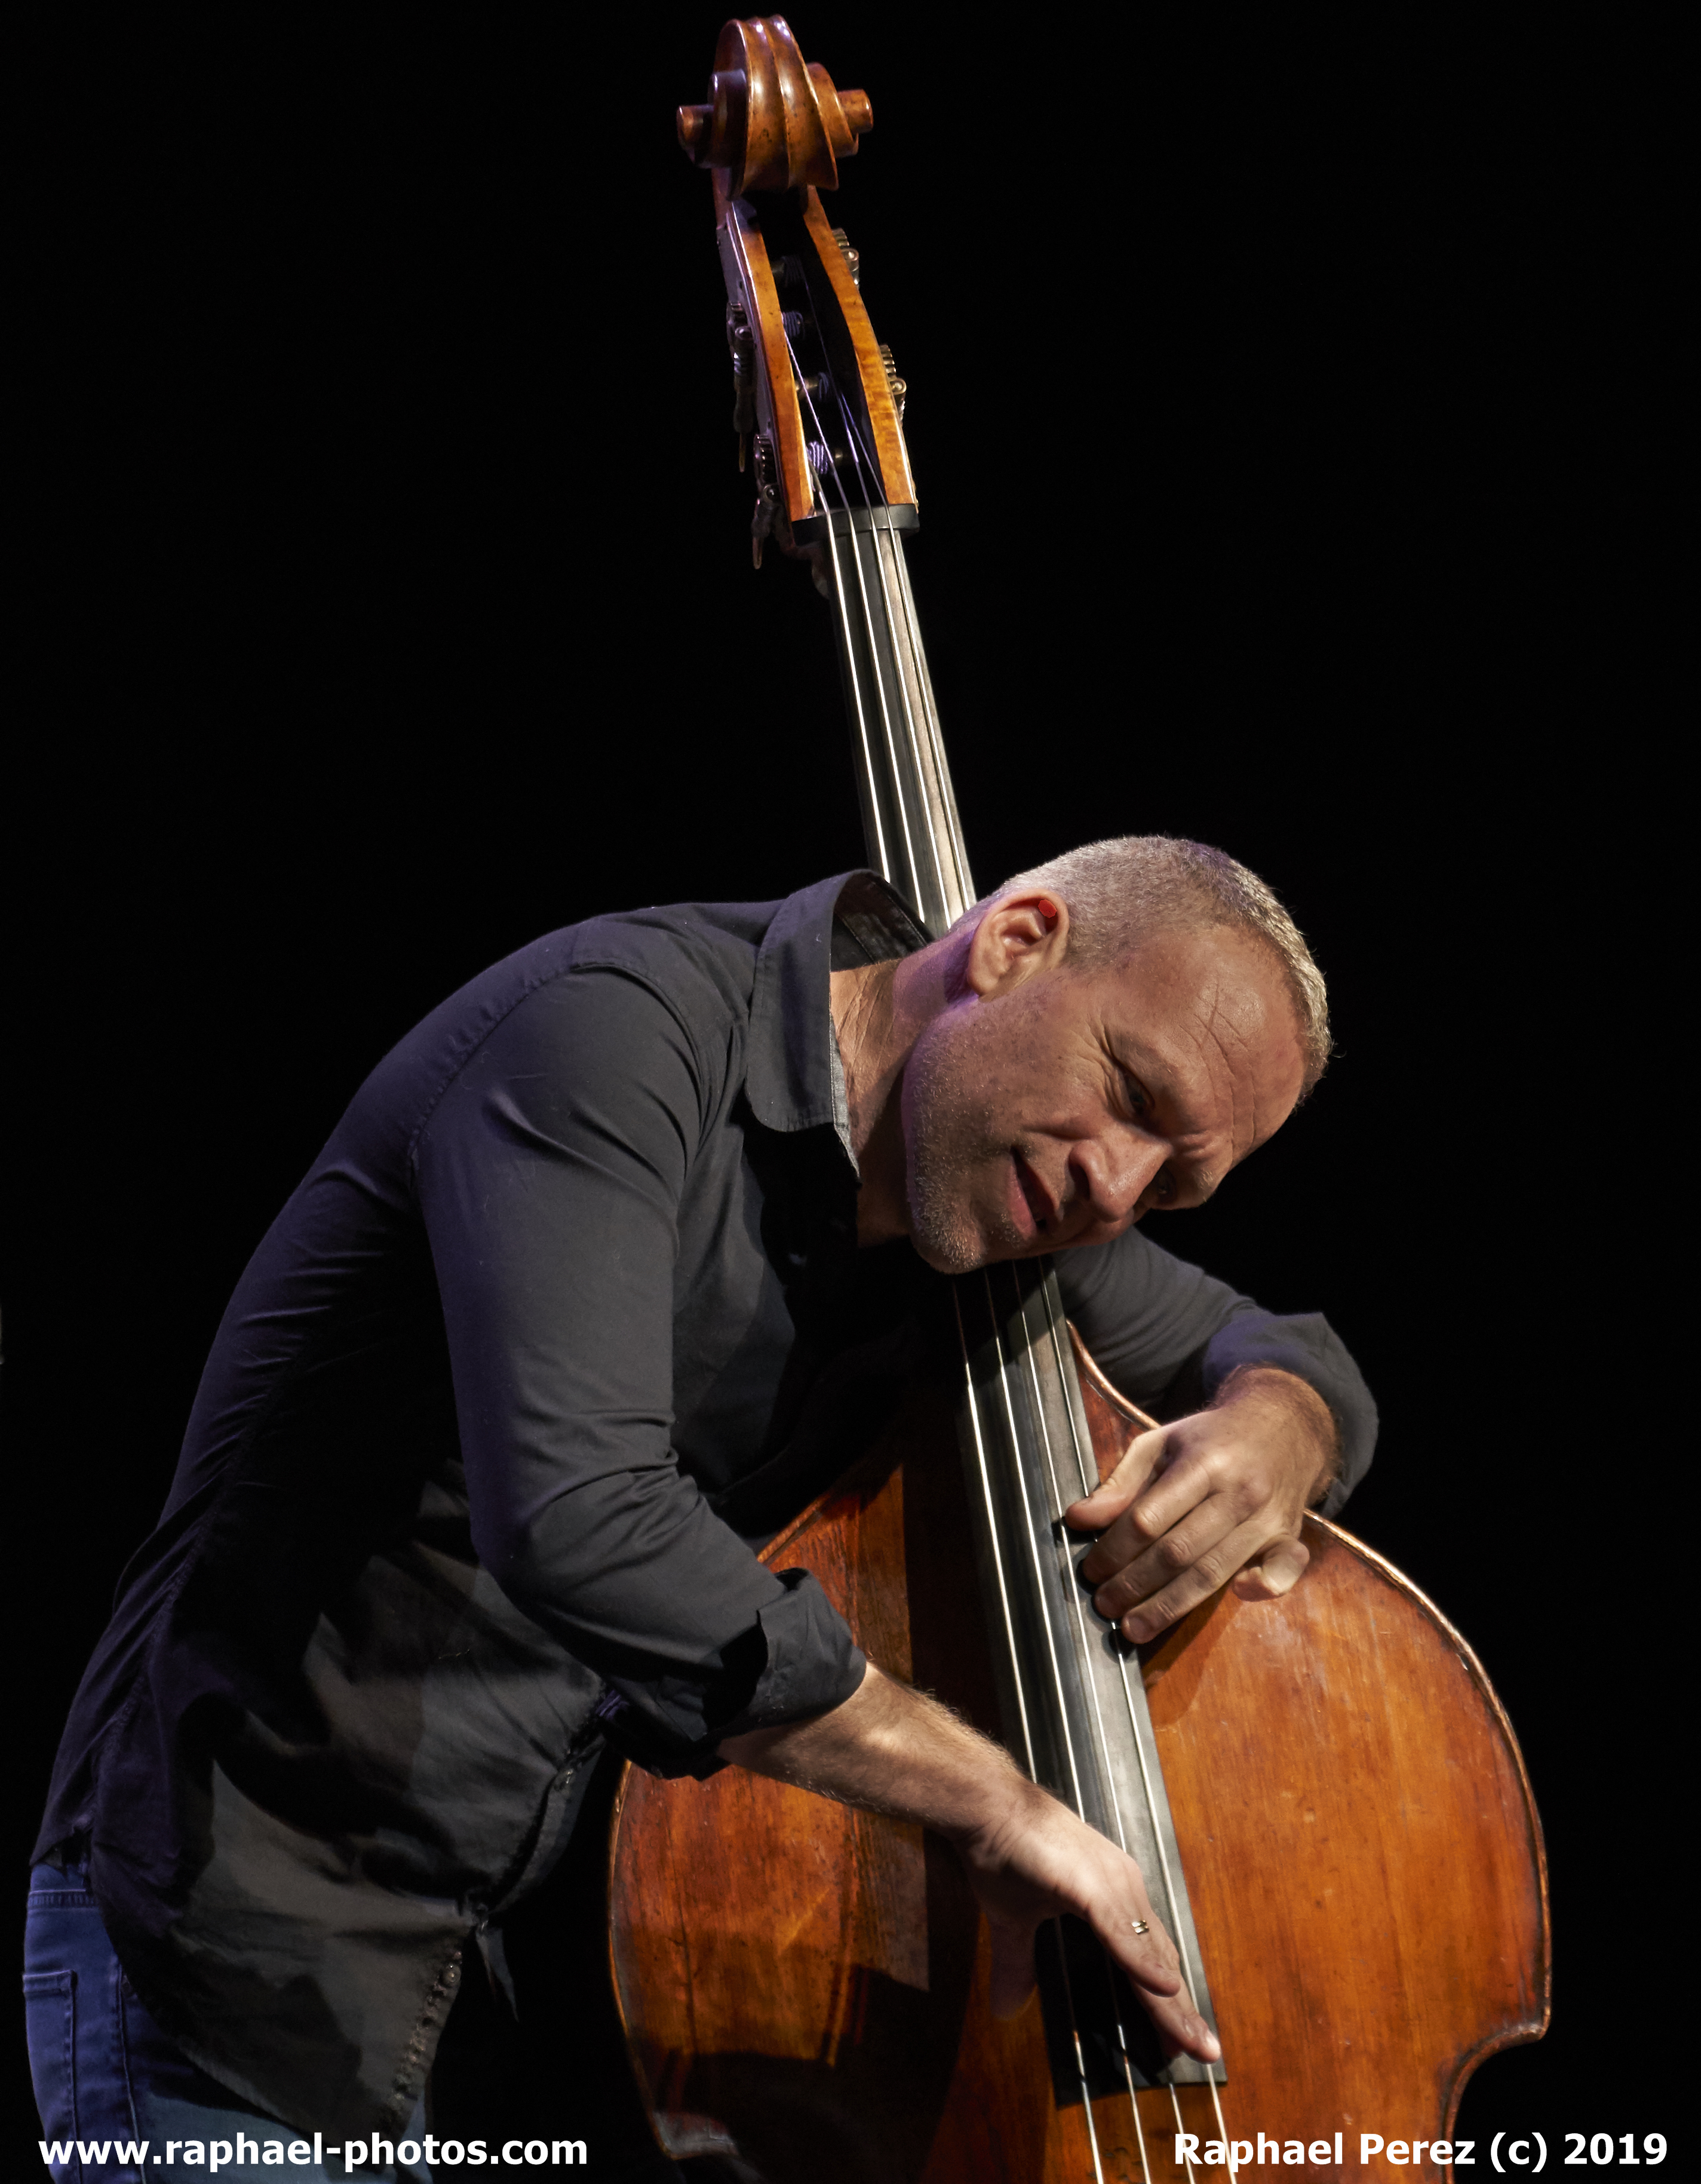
742,344
852,258
897,387
762,522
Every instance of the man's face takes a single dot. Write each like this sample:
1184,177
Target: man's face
1054,1108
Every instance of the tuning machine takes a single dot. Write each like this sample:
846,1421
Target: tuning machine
852,258
742,344
896,387
762,522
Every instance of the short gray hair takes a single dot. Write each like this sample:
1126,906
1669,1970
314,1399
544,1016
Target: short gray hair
1118,891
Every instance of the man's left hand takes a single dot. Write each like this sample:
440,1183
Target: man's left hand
1216,1496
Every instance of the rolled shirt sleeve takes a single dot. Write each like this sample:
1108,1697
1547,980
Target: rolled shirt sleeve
550,1177
1168,1335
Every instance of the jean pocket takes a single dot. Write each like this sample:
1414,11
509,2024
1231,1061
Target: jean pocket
50,2014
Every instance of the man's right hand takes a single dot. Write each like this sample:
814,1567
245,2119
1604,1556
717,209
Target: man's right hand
1041,1861
889,1749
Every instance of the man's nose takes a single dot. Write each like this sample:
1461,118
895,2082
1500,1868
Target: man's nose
1115,1174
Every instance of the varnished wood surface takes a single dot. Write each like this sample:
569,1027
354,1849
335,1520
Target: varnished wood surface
889,449
1361,1850
780,414
1338,1763
809,1978
772,121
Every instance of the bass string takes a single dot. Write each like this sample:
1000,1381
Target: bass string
869,478
1107,1779
1005,1379
1151,1425
1030,1541
1030,1536
948,820
869,475
856,700
991,1510
873,492
993,1526
827,469
1075,2032
1176,1927
1088,1482
1085,1635
1107,1776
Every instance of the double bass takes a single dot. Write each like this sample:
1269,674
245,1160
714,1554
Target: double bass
1323,1791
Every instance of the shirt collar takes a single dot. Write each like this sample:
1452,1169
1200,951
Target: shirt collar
854,918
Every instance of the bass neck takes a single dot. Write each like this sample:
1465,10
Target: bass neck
910,826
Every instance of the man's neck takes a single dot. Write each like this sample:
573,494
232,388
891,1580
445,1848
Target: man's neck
879,1012
863,1023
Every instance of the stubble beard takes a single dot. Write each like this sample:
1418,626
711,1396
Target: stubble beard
951,1141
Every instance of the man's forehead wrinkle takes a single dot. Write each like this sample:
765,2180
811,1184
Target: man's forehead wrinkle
1200,1040
1217,1035
1202,1050
1225,1043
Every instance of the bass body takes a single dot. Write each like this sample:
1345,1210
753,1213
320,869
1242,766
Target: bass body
1359,1846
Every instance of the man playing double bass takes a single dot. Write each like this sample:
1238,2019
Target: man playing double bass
611,1265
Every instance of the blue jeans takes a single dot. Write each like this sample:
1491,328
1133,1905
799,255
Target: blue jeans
107,2077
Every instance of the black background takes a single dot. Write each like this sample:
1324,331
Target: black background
386,599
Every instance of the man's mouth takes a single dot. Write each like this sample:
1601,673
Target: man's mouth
1041,1209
